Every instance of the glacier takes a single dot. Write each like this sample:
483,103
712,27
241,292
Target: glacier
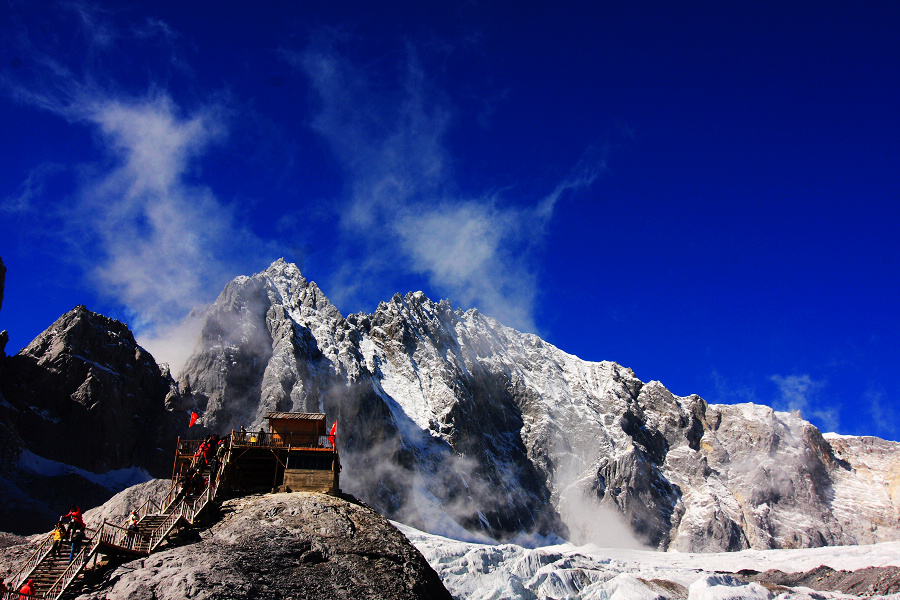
476,571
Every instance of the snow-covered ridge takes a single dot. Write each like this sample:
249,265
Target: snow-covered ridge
507,435
115,480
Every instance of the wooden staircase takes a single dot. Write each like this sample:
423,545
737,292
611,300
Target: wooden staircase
253,463
49,570
52,572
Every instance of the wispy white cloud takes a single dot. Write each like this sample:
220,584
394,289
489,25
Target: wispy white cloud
167,244
31,189
149,236
800,393
884,413
403,199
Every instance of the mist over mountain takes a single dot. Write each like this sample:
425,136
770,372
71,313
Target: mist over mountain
448,421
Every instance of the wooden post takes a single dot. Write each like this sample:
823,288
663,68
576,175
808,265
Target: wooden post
175,464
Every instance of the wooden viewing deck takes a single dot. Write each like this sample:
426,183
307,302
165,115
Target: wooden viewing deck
294,455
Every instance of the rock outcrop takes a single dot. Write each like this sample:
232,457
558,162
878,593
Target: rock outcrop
84,415
300,545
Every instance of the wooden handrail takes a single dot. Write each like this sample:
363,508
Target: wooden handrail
143,511
280,440
21,576
14,595
78,562
164,528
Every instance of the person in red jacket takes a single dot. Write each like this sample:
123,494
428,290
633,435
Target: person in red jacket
27,590
201,458
76,521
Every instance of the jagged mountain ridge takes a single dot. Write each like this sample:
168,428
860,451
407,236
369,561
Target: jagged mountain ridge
448,417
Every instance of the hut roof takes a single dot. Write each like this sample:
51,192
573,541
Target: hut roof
296,415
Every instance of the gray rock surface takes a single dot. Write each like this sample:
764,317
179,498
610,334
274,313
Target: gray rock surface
283,546
116,509
84,416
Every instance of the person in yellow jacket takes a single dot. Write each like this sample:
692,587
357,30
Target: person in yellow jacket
58,535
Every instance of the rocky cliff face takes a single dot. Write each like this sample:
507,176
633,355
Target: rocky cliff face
449,419
84,415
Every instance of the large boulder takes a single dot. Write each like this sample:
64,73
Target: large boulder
301,545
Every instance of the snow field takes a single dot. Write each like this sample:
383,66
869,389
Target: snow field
507,571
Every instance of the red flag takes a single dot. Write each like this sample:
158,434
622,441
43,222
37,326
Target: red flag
332,434
193,418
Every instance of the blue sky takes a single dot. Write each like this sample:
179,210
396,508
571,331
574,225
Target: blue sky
704,192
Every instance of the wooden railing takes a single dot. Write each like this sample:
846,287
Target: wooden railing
280,440
122,537
21,576
145,509
75,567
163,529
188,447
187,509
14,595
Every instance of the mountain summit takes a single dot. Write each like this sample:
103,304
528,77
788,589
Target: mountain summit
456,424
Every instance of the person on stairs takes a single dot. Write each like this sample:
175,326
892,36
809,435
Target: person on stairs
200,456
131,528
219,459
76,520
26,592
77,539
58,534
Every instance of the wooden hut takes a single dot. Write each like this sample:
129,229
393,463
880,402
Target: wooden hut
296,454
311,460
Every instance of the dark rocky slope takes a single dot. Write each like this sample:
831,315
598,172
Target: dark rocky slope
84,413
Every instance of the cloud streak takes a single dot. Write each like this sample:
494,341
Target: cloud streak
149,236
799,393
403,203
